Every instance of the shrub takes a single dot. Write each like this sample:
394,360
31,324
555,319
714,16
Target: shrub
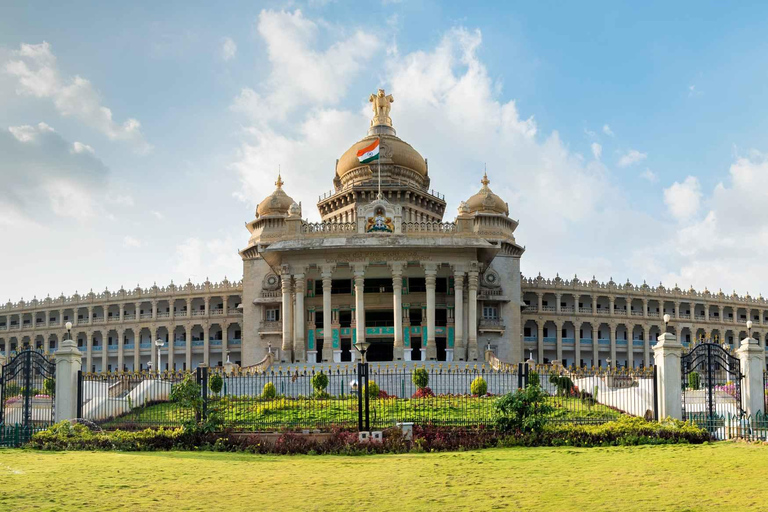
373,389
215,383
420,378
269,391
319,382
424,392
187,393
49,386
694,380
523,411
12,389
562,383
533,378
478,387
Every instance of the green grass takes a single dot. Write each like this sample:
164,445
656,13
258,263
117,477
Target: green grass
252,413
722,476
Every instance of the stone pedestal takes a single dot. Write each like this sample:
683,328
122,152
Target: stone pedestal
423,352
337,356
407,354
68,363
667,353
752,357
449,354
312,356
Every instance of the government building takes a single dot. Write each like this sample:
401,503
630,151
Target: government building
383,265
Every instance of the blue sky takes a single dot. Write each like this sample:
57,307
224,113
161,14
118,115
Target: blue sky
628,139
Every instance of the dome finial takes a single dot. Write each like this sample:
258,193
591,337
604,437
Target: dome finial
279,183
381,103
485,181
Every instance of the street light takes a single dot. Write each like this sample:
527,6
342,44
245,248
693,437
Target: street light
666,322
68,325
362,347
159,344
749,328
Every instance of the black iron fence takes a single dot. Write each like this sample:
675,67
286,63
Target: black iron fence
315,399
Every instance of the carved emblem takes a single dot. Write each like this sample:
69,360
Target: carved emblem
379,223
271,282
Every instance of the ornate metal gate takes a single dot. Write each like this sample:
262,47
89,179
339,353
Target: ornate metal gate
27,387
711,384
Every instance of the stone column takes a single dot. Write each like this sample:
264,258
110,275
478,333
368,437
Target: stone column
68,363
430,274
645,307
104,351
558,298
90,315
666,354
397,308
285,352
327,275
611,304
472,315
359,272
224,340
171,346
752,358
595,344
540,297
577,340
540,342
646,345
188,348
458,342
594,304
154,310
559,342
88,351
121,314
299,348
677,309
153,349
120,350
630,346
136,345
613,345
206,344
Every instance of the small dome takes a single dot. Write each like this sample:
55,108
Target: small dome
486,201
276,203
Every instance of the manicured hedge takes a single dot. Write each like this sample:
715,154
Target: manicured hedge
625,431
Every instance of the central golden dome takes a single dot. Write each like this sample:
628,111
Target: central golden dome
392,150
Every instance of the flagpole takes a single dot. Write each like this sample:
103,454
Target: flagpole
379,159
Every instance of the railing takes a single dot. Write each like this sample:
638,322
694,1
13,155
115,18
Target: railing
146,316
217,312
233,311
96,348
530,338
328,227
549,309
429,227
567,309
180,314
146,344
165,314
112,348
129,346
198,313
128,316
531,309
98,320
179,343
585,310
234,341
491,323
271,326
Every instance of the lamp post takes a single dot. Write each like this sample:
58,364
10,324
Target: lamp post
666,322
68,325
362,388
749,328
159,344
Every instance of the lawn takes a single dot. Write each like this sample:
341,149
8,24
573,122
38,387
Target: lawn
722,476
248,413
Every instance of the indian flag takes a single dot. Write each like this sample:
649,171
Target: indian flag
369,153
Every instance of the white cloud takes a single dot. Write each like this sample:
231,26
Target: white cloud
597,150
132,242
607,130
302,75
158,215
683,199
228,49
79,147
632,157
27,133
68,199
35,69
649,175
196,259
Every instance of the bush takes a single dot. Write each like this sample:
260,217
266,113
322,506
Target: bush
319,382
420,378
479,387
269,391
187,394
524,411
215,383
694,380
533,378
563,383
12,389
373,389
424,392
49,386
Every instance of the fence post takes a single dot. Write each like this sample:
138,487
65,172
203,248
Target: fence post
752,357
666,354
68,364
204,390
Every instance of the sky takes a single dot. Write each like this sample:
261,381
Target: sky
137,138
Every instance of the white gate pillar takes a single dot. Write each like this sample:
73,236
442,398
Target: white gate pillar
752,357
68,363
666,354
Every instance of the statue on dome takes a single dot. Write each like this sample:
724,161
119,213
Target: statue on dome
381,104
379,223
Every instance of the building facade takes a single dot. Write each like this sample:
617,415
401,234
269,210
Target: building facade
385,266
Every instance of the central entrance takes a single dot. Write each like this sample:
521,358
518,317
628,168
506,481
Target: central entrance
380,350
